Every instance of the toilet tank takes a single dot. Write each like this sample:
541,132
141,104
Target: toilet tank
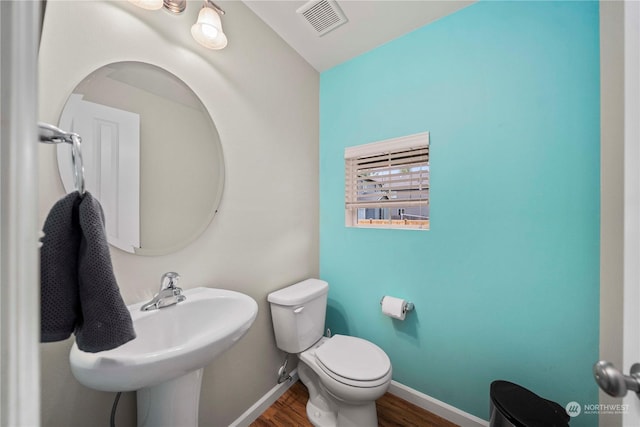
298,312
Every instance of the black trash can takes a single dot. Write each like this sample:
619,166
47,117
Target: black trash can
515,406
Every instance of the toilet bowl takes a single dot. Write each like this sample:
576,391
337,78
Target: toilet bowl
344,375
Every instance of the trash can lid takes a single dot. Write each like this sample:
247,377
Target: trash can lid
525,408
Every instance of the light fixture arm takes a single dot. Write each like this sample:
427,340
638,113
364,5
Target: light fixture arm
214,6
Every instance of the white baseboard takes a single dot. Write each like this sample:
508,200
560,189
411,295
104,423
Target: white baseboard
436,406
252,414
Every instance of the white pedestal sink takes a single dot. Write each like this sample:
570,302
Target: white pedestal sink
164,363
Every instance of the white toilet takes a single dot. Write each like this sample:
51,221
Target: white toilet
344,375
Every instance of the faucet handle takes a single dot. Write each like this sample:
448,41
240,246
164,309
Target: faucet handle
169,280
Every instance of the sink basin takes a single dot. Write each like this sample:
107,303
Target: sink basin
164,363
170,342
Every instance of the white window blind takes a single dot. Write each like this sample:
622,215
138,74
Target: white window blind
387,183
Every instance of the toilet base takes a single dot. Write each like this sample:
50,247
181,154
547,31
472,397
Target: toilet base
326,410
357,416
320,417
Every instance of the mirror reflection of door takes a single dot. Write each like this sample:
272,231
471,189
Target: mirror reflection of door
176,164
111,166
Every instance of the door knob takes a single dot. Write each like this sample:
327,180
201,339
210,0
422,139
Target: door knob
615,383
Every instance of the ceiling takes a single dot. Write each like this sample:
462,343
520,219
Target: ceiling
371,23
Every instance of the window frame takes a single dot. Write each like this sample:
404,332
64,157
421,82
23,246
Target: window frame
418,144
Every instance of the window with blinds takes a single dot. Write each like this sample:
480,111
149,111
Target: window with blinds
387,183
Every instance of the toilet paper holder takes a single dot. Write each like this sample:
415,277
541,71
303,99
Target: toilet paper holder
407,306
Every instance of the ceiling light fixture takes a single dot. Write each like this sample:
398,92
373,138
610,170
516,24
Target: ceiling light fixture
208,28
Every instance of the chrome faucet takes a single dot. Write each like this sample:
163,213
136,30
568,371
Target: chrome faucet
169,293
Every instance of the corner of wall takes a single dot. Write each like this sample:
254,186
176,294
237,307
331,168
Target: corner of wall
611,191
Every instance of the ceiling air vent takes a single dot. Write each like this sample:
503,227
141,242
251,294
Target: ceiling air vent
323,16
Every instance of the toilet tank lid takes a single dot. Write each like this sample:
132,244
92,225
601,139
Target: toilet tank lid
299,293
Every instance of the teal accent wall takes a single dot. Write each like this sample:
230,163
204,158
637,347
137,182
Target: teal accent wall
506,282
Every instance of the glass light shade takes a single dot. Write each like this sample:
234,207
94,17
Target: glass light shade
208,29
148,4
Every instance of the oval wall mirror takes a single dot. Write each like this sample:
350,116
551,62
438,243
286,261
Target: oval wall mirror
152,156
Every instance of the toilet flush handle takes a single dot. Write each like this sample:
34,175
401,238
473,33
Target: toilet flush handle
298,310
615,383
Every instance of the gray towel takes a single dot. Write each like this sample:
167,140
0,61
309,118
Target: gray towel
59,299
79,289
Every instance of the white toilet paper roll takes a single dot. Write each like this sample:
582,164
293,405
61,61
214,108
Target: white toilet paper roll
393,307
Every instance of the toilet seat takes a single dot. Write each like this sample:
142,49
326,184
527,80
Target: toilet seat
353,361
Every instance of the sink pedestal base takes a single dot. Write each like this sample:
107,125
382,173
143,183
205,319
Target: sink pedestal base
171,403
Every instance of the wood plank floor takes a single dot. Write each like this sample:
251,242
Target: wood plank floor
290,410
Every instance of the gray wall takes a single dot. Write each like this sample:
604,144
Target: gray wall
263,99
